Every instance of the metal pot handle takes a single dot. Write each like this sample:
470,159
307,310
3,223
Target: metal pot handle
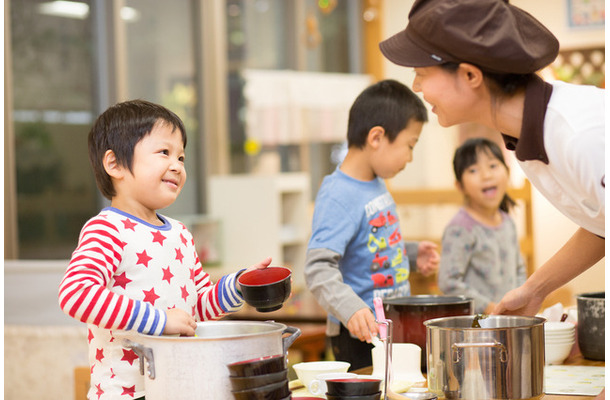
144,353
289,340
455,350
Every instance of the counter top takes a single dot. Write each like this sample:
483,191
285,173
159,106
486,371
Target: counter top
577,359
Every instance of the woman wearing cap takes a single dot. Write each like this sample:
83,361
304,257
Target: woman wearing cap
475,61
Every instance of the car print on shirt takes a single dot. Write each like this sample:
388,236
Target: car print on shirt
381,280
380,262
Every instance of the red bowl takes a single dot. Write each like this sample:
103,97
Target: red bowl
266,289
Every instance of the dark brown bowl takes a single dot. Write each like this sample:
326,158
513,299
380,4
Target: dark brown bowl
374,396
274,391
251,382
266,289
353,386
258,366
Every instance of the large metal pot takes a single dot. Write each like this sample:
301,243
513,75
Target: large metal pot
194,368
592,325
504,359
409,313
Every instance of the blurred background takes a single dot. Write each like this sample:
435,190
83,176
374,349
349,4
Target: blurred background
264,88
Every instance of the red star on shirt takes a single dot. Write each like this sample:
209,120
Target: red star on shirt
128,224
130,356
99,355
129,390
185,293
183,239
90,335
121,280
158,237
179,255
150,296
99,392
143,258
112,374
167,275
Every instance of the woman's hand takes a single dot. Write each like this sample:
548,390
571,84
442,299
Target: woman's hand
519,301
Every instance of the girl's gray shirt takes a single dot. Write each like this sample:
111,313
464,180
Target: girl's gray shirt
479,261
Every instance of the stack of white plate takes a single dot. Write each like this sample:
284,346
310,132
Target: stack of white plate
559,338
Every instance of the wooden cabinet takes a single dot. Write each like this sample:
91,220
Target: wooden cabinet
260,216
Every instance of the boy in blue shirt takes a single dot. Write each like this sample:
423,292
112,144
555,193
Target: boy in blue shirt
356,251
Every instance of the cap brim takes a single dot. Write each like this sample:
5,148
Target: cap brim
402,50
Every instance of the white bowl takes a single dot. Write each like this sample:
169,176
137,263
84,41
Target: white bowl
556,326
307,371
563,341
571,336
556,353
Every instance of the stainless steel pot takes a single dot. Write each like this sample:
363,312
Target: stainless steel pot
504,359
195,368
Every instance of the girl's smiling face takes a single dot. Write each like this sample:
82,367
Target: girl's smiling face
484,183
448,93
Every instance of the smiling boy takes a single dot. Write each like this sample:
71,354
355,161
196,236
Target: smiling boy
135,269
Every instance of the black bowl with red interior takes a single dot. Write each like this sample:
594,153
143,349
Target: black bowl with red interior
266,289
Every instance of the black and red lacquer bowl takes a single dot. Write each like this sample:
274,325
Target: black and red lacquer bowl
266,289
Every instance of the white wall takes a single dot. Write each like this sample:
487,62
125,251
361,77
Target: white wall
432,158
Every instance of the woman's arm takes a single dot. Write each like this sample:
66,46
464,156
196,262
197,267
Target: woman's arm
579,253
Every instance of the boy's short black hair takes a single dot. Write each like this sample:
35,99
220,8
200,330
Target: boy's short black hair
388,104
119,129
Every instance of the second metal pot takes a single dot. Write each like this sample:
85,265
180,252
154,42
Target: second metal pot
504,359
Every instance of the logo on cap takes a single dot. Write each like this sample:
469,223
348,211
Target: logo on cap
436,58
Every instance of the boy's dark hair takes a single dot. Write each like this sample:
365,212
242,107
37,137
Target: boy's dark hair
119,129
466,155
388,104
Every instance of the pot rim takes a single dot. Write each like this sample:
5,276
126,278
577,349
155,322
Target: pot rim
535,321
419,300
592,296
224,336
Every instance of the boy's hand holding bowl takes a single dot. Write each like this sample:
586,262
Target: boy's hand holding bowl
265,287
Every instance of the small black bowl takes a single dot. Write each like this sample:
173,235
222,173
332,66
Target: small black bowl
258,366
266,289
251,382
353,386
274,391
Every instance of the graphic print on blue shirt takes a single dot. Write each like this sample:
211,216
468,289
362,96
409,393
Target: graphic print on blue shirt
386,247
